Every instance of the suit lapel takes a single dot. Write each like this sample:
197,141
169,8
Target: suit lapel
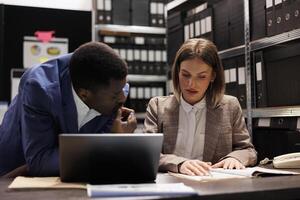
170,124
69,107
212,131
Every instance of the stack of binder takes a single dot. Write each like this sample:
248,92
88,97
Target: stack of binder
281,68
228,26
282,16
144,54
131,12
235,79
175,35
198,23
141,93
104,13
157,13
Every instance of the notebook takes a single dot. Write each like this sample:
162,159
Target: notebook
109,158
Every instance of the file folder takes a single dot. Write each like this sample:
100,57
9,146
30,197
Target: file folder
282,61
120,12
296,14
100,12
108,10
160,14
270,18
140,12
260,80
242,96
221,21
230,71
279,16
258,19
153,13
287,15
236,25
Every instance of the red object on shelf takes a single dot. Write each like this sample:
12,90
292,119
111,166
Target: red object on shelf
44,36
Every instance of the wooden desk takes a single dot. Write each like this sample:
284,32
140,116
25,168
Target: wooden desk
280,187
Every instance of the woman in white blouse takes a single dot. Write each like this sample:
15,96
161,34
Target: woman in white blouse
203,128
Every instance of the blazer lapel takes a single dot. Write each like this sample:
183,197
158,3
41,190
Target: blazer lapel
170,125
69,107
212,131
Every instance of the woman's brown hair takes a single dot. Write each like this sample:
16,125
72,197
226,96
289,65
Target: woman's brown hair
206,51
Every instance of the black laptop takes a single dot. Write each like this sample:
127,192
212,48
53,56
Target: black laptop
109,158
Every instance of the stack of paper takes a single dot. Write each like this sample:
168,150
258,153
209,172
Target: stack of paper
150,189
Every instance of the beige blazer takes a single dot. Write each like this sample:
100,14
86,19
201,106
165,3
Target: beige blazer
226,134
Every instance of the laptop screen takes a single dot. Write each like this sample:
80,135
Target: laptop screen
109,158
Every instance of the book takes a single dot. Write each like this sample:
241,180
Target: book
220,173
148,189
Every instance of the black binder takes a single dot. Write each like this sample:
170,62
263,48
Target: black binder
296,13
270,18
288,123
279,18
260,80
120,12
160,13
288,15
236,24
230,66
221,24
140,12
242,96
258,19
282,62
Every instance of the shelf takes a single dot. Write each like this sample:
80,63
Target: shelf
182,5
277,39
235,51
112,28
288,111
261,43
175,3
146,78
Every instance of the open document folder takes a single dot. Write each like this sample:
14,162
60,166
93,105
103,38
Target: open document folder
148,189
220,173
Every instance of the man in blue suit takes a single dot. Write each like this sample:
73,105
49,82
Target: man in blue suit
75,93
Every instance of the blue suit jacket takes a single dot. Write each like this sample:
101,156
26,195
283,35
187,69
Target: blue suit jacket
43,108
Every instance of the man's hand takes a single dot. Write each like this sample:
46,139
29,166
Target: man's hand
125,121
195,168
229,163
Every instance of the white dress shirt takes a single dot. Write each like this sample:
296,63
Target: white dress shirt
191,129
84,113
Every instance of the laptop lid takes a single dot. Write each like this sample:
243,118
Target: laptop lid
109,158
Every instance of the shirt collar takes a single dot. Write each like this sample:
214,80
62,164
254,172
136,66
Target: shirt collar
82,109
188,107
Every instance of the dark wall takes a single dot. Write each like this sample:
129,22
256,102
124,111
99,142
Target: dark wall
19,21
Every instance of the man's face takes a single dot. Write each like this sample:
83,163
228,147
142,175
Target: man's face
107,99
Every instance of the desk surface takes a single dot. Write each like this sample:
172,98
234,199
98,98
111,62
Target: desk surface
280,187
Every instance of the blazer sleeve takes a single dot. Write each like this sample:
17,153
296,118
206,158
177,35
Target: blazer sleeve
39,135
153,124
243,149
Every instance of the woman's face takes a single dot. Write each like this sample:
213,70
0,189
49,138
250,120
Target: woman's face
194,79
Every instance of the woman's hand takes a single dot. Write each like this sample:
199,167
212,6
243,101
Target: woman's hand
229,163
195,167
125,121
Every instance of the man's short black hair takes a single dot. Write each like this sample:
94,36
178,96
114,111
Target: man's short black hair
94,64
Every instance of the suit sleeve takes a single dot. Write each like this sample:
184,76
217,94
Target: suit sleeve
167,162
243,150
39,133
